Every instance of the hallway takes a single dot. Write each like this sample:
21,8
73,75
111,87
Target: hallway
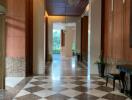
65,49
65,80
62,66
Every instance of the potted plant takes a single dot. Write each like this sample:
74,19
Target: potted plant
101,65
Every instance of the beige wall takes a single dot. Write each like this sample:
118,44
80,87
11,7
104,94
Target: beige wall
53,19
70,32
15,34
39,37
94,35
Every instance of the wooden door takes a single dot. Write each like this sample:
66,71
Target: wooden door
84,39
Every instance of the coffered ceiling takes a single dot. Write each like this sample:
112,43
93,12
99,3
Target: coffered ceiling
66,7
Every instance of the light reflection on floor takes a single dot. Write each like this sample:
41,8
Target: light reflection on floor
13,81
62,66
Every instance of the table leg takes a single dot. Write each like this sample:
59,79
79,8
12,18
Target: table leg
130,85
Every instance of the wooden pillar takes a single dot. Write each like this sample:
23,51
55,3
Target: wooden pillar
62,38
131,23
29,37
46,39
2,51
84,39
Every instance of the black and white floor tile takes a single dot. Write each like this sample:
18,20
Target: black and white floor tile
68,88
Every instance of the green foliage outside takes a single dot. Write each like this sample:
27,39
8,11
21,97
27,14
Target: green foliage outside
57,42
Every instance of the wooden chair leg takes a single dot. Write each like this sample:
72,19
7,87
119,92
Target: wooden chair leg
120,83
113,84
106,81
125,85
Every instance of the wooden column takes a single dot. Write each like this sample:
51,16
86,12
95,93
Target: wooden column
29,37
116,30
84,39
130,23
2,44
2,51
62,38
46,35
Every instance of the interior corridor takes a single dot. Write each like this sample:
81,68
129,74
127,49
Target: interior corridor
65,49
65,66
64,79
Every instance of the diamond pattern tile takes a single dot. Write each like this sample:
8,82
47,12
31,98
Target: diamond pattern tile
97,93
85,96
43,99
72,99
58,97
70,85
104,88
98,82
81,89
91,86
37,82
68,88
44,93
70,93
79,82
58,89
22,93
29,85
34,89
111,96
27,97
41,78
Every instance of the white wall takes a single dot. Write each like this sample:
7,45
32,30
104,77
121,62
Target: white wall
94,36
53,19
39,37
70,32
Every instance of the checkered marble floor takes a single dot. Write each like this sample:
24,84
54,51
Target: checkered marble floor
68,88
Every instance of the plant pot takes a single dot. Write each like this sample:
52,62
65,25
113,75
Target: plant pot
101,68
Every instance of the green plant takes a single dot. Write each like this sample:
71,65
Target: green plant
101,65
101,59
49,57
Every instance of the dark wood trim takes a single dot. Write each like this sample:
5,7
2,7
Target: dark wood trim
81,38
46,39
62,38
131,23
29,37
102,26
84,39
76,10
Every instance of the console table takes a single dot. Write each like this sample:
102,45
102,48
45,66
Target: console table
123,70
